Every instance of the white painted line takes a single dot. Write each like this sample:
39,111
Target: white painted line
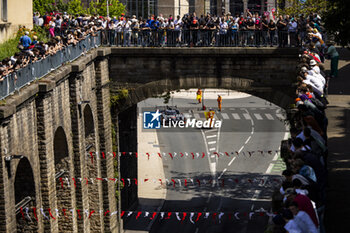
225,116
247,116
256,195
258,116
232,109
233,159
210,130
211,142
275,157
211,149
240,149
212,136
187,115
222,173
236,116
268,171
196,115
252,108
269,116
212,167
279,116
248,139
262,108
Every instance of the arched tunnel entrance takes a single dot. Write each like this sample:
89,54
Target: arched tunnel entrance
25,197
267,118
62,168
93,189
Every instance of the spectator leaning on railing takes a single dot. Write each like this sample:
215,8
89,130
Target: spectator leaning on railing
305,178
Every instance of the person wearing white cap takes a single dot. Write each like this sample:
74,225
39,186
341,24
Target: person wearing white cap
316,83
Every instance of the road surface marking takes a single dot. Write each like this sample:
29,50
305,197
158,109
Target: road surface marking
252,108
275,158
269,116
211,149
247,116
248,139
210,130
196,115
262,108
212,142
279,116
233,159
212,136
232,109
222,173
236,116
225,116
258,116
268,171
256,195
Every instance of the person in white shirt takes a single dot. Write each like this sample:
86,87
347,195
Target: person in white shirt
291,226
302,219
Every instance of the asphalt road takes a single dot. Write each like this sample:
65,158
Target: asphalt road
249,124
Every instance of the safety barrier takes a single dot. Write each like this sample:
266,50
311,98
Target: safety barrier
199,38
24,76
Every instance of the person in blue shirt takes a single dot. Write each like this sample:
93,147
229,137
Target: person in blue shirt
25,41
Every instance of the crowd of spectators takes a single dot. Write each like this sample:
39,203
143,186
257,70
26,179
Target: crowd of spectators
304,185
60,36
248,29
188,30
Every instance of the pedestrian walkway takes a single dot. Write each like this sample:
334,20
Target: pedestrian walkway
338,192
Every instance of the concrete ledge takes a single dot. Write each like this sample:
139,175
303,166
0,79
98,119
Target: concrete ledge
46,85
7,110
212,51
102,52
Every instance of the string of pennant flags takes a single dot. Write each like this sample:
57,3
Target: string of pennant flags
127,182
193,217
173,155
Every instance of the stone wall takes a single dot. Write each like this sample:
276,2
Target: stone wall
46,124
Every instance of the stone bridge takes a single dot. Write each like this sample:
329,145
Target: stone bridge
48,129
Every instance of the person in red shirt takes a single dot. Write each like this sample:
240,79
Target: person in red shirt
304,204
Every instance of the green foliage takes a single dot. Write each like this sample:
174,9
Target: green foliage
100,8
76,7
337,21
8,48
166,97
296,7
61,6
43,6
122,95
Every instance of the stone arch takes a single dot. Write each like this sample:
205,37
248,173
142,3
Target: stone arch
93,189
62,164
24,187
281,96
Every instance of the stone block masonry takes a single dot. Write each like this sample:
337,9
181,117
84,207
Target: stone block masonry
53,123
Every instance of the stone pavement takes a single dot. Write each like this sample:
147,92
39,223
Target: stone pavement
337,216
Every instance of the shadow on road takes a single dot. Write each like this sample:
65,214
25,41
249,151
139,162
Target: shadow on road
239,194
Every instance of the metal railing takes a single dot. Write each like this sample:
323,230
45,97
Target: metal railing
198,38
23,203
38,69
144,38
